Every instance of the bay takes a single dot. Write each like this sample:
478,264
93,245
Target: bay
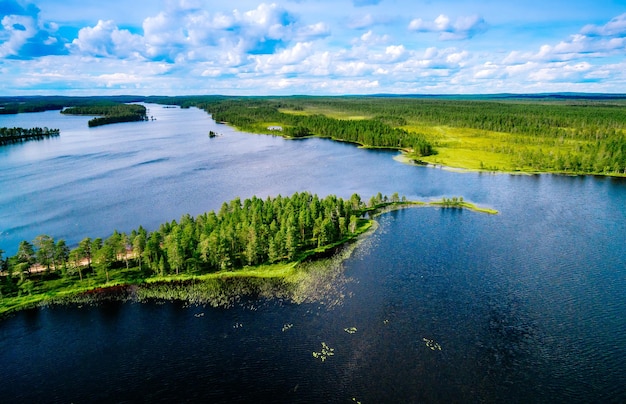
527,306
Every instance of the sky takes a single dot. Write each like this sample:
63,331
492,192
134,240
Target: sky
315,47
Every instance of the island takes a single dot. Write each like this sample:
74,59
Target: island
258,247
109,113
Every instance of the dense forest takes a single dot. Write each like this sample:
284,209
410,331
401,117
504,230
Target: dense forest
22,104
15,135
109,113
376,132
242,233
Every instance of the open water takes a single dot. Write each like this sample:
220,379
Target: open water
526,306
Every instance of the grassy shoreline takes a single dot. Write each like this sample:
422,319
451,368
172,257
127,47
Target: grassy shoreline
308,278
559,144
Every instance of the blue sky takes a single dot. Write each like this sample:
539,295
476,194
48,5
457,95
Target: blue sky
245,47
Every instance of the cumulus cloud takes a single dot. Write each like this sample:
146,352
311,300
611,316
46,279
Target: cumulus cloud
615,27
196,34
24,35
370,39
290,56
395,52
202,46
313,31
591,42
462,28
106,40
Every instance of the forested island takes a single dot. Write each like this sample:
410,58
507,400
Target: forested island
109,113
248,240
16,135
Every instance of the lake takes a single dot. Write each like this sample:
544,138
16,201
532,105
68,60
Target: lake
526,306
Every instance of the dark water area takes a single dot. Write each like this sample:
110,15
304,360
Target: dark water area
527,306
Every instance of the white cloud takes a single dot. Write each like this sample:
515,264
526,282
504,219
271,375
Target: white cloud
195,34
462,28
615,27
352,68
591,42
487,71
290,56
313,31
298,46
24,36
395,52
371,39
107,40
17,29
362,22
457,58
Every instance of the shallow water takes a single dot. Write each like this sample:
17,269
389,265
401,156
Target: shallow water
528,305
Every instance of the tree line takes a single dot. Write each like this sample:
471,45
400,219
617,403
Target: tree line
109,113
580,119
14,135
564,135
26,104
241,233
249,114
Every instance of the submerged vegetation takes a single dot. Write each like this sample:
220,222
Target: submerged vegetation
255,247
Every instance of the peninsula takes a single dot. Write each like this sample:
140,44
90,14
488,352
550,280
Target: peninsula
256,246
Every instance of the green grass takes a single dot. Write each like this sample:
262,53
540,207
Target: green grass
456,147
474,149
466,205
477,149
327,111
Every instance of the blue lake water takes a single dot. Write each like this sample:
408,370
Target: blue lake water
527,306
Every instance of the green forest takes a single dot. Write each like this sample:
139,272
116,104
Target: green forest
109,113
241,234
23,104
15,135
379,131
574,137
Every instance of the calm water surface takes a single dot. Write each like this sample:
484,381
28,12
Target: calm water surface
528,305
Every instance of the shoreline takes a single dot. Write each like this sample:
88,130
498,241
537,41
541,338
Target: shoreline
296,280
404,157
